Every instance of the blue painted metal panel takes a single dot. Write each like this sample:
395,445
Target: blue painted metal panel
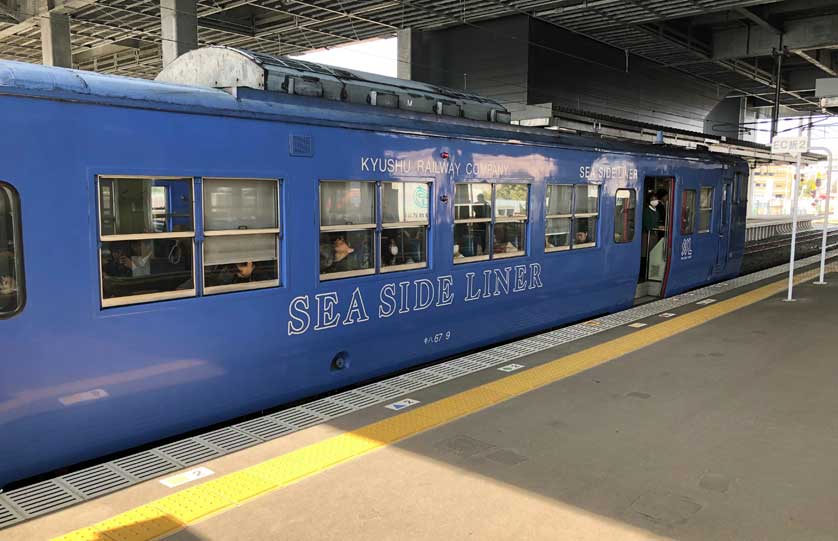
177,365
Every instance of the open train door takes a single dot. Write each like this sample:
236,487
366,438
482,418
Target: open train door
657,238
724,226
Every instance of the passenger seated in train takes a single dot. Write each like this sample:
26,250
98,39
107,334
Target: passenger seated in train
340,252
240,273
401,247
471,238
502,245
581,237
145,266
129,259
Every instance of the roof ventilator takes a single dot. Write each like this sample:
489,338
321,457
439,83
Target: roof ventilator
230,68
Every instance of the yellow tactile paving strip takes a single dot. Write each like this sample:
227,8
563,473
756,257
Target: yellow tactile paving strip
164,516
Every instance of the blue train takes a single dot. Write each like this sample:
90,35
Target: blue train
173,255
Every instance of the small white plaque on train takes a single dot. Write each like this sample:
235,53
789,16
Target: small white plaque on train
638,325
511,367
186,477
707,301
402,404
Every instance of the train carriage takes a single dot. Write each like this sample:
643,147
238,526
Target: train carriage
174,256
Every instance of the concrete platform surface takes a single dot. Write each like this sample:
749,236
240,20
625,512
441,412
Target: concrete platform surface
725,431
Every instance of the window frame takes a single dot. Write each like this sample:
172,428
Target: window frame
573,216
147,297
684,207
710,208
632,197
492,219
351,227
17,240
208,234
548,217
401,225
377,228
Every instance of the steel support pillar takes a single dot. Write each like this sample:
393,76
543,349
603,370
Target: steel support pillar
778,81
55,40
179,22
404,55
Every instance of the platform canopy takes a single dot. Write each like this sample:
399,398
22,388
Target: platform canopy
725,42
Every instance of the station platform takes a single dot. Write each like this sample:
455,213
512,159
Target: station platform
707,416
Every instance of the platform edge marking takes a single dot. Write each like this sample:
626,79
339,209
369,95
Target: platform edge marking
151,521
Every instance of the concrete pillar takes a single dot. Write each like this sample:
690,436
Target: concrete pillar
405,53
55,40
180,28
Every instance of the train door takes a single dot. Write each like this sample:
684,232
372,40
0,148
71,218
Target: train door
657,228
724,226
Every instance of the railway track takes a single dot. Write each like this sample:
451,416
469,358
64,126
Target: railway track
775,251
804,237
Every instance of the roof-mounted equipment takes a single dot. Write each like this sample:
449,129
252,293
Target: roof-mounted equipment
229,68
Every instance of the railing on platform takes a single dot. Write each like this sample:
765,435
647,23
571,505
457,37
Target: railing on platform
765,229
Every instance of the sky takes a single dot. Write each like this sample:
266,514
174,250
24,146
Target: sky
373,56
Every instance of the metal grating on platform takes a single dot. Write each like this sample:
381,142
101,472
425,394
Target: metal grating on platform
328,408
405,385
188,452
96,481
448,370
229,439
356,399
265,428
467,364
31,501
297,418
427,377
42,498
381,391
8,516
146,465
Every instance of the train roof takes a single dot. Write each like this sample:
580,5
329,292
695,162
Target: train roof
75,86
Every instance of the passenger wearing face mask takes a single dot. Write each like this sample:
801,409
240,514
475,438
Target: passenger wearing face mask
650,233
650,214
390,253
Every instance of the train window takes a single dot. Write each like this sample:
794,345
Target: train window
624,215
705,209
404,229
241,226
559,205
472,222
481,233
585,215
11,255
510,235
347,229
147,237
688,212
